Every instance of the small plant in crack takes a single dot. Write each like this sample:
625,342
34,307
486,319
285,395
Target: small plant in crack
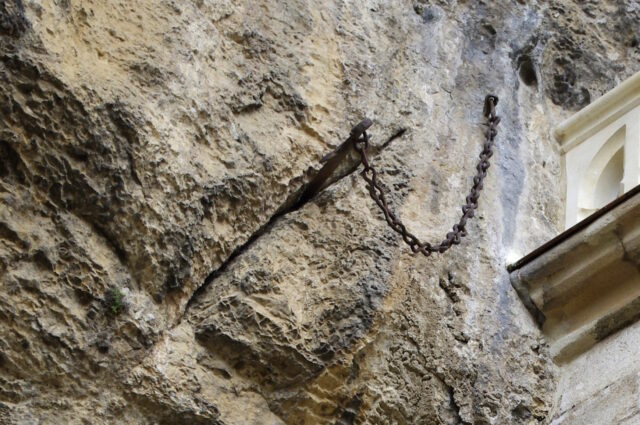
114,300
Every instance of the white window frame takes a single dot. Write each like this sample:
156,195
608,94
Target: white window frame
590,139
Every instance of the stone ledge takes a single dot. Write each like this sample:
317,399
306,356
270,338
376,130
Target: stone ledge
585,285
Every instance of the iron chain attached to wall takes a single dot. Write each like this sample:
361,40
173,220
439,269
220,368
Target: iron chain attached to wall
359,139
468,210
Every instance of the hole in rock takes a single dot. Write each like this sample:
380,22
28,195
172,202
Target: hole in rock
527,72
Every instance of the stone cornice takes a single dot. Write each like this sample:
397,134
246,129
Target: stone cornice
586,285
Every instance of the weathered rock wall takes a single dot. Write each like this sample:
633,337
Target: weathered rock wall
152,269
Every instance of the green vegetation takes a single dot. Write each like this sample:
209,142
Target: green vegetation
114,300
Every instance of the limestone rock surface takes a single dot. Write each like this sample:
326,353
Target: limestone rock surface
155,266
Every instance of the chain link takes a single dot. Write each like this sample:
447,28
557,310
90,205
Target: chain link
459,231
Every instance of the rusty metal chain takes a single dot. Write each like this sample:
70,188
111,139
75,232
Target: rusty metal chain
376,191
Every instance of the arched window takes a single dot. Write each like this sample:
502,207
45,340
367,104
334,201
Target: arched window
609,184
602,182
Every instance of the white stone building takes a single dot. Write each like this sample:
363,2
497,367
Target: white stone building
583,287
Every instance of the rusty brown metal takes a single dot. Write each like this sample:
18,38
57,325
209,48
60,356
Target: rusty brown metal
332,160
576,228
370,175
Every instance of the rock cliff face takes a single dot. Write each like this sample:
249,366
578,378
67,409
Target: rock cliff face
153,268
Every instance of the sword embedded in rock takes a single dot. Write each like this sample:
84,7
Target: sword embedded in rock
333,160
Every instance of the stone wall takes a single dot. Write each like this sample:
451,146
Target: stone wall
602,385
153,270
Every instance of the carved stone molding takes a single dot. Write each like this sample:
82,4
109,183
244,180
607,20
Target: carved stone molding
601,150
585,284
